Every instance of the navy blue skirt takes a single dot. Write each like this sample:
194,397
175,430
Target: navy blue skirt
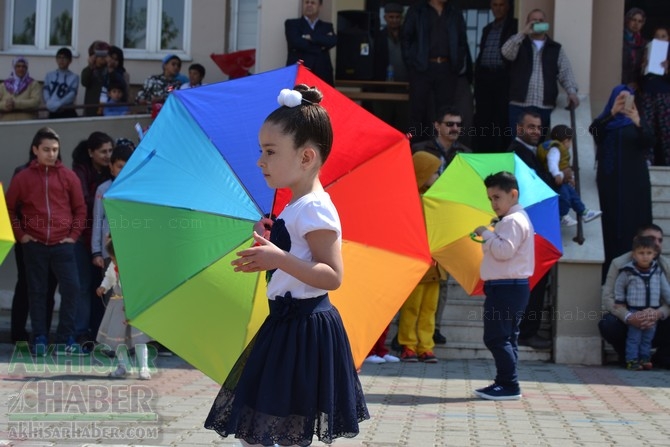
295,379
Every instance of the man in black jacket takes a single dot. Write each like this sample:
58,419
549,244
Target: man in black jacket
310,40
492,81
435,46
529,132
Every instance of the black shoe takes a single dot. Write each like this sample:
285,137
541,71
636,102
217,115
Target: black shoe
497,392
536,342
438,338
395,345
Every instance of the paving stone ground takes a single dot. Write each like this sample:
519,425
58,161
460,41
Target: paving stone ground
411,405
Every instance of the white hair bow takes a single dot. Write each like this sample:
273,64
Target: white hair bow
289,98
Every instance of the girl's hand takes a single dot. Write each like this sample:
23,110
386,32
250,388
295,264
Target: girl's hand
264,255
263,227
100,291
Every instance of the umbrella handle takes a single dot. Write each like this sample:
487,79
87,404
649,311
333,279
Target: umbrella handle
474,237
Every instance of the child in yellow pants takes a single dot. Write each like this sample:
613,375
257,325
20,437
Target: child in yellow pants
417,316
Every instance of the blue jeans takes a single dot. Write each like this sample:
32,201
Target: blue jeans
503,309
38,259
638,343
568,198
90,308
516,111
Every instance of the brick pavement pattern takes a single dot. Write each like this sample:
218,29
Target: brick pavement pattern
411,404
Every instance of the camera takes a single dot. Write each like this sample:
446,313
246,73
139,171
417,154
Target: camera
540,27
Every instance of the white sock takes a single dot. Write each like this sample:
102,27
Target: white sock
142,356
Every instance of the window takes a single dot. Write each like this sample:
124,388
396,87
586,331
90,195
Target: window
158,27
243,31
40,24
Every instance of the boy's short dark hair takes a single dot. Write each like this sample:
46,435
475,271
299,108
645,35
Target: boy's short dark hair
562,133
644,242
503,180
121,152
64,52
199,68
115,85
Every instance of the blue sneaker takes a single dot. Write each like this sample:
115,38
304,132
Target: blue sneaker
497,392
39,346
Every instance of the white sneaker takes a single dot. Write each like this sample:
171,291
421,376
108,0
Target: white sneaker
119,373
145,374
568,221
589,215
391,358
374,359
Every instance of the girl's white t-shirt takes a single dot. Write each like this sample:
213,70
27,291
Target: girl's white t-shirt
314,211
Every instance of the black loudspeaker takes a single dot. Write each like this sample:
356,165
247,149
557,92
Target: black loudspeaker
355,45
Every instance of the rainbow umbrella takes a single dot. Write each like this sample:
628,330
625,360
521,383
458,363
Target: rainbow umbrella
6,233
188,198
457,203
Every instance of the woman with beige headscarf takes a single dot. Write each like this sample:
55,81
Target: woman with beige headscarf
19,93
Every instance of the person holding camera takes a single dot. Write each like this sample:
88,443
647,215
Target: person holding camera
537,65
624,140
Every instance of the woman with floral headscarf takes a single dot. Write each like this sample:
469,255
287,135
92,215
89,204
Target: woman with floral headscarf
633,47
19,94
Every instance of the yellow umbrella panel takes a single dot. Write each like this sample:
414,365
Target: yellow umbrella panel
6,233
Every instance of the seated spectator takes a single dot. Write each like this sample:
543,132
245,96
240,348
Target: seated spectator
60,87
641,285
93,76
157,87
196,73
114,105
554,155
615,323
19,94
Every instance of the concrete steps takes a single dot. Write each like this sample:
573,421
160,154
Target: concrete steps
462,325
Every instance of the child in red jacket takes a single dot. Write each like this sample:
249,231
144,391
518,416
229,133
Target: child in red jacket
47,209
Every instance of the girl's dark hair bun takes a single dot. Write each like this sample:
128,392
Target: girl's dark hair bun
311,94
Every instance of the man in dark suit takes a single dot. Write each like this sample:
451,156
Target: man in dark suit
524,145
310,40
492,81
